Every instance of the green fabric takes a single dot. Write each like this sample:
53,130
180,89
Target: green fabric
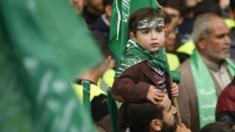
41,53
134,54
205,88
113,110
175,75
120,13
231,67
86,94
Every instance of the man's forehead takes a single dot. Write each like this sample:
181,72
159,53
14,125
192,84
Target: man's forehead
170,10
166,102
219,28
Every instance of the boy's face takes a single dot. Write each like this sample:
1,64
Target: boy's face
150,38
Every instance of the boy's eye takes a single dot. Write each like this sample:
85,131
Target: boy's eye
159,30
145,31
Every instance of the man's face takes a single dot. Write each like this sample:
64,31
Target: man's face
96,4
174,14
191,3
217,43
150,39
169,124
78,4
170,39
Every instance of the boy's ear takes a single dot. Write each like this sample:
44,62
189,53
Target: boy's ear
156,125
132,37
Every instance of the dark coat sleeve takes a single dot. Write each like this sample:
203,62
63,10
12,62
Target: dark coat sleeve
128,86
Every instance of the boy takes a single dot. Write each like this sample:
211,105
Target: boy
142,73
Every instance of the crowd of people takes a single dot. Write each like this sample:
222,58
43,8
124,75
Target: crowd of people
176,72
198,38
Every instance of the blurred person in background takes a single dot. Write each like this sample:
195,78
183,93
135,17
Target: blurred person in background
232,27
92,11
98,96
173,9
217,127
170,43
225,109
78,5
103,23
205,6
206,73
185,27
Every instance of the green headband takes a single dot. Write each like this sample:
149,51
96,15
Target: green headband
150,23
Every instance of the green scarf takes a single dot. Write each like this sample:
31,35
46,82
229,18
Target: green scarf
205,88
134,54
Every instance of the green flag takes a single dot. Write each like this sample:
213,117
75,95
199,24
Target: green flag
43,47
121,10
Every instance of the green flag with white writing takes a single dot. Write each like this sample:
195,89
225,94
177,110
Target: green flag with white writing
44,45
121,10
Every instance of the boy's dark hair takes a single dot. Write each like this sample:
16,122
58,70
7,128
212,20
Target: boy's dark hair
143,14
217,127
140,115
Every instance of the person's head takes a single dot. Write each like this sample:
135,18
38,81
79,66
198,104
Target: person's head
232,8
146,28
107,4
217,127
100,113
78,4
191,3
173,9
223,4
147,117
188,6
210,35
170,34
95,5
207,6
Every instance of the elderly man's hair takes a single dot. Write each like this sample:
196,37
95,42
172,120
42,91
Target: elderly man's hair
202,26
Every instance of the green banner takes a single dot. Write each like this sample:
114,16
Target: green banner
43,47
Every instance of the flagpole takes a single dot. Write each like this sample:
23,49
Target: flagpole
178,115
173,99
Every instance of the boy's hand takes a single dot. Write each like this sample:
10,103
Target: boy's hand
174,89
155,95
182,128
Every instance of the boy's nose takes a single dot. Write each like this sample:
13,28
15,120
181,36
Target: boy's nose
153,35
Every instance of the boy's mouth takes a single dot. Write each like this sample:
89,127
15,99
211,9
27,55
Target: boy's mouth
155,44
